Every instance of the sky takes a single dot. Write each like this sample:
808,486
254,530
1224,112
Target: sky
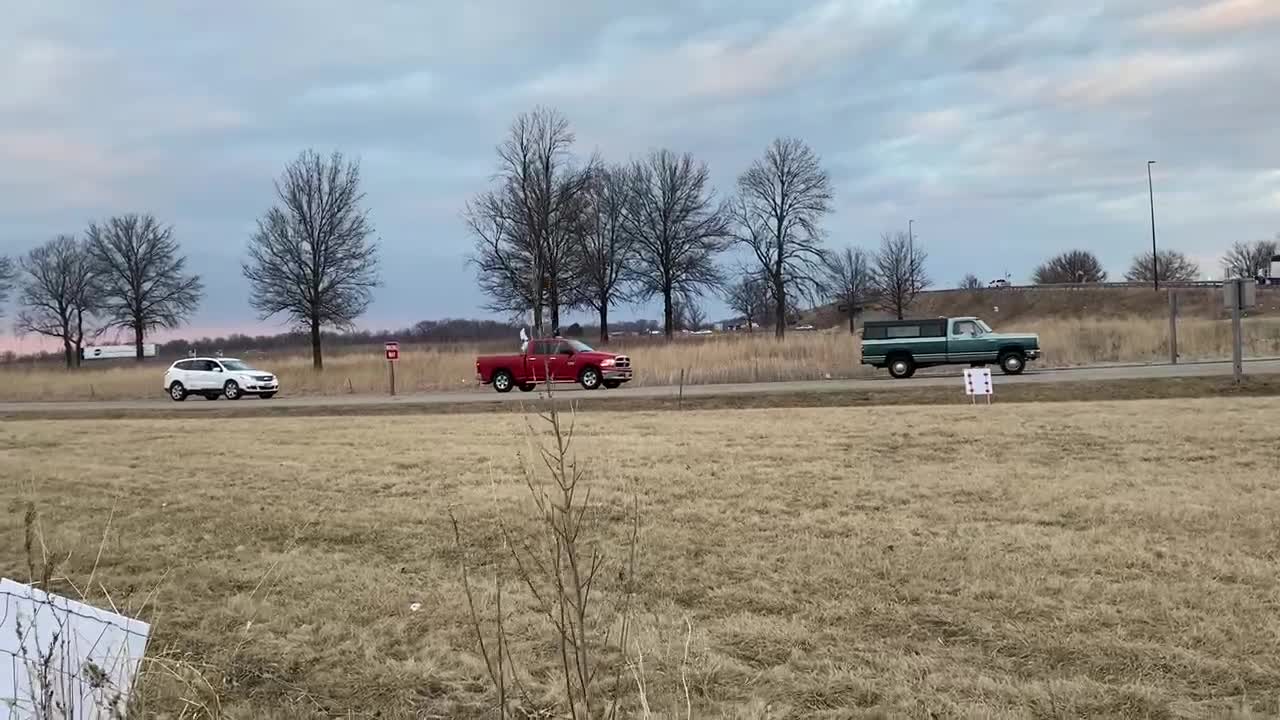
1007,130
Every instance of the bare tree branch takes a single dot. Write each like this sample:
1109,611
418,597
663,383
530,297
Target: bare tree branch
1250,259
605,249
899,273
59,293
1073,266
676,228
142,277
781,201
312,258
7,274
529,226
970,282
749,297
1169,266
850,282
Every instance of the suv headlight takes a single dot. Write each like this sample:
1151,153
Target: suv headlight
607,362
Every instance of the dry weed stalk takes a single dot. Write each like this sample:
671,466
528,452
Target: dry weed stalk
561,566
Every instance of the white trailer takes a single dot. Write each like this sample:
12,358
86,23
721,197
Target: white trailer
116,352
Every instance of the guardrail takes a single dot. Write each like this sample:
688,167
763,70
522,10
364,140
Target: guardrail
1083,286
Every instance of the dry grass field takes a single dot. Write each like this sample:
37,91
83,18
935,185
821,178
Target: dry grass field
734,358
1018,561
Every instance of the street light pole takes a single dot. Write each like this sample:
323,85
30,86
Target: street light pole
1155,262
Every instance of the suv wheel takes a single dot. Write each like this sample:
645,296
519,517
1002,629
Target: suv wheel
502,381
1013,363
231,390
590,379
527,387
902,367
177,392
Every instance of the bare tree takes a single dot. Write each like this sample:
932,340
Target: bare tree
58,294
7,275
781,201
605,249
970,282
143,279
677,230
749,297
1250,259
313,258
899,273
528,227
850,281
1073,266
1169,266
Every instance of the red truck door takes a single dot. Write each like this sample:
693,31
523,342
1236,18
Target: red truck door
541,354
564,365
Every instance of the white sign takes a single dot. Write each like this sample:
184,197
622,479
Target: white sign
58,652
116,352
977,381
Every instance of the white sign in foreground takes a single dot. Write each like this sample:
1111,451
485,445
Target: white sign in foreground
62,658
977,381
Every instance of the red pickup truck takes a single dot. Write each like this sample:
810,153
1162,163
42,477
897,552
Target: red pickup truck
567,361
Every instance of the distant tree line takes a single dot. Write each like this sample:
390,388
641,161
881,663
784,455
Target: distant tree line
125,273
311,260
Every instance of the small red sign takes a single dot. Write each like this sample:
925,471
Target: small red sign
393,350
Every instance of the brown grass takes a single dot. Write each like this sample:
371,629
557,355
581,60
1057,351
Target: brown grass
1048,561
736,358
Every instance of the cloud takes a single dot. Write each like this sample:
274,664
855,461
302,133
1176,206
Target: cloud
1214,17
1005,130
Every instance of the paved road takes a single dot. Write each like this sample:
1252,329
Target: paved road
486,395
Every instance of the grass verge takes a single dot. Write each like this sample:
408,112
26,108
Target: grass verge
1097,559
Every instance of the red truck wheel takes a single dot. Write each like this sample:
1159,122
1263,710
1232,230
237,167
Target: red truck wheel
502,381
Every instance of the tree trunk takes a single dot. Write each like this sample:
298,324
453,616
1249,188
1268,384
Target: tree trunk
66,352
779,299
604,322
853,323
317,361
79,343
138,332
668,322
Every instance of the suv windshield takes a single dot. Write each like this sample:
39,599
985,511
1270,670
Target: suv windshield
578,346
235,365
985,327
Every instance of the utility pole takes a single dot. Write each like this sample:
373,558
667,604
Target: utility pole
911,250
1155,262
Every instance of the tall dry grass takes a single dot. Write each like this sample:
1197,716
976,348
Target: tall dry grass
709,360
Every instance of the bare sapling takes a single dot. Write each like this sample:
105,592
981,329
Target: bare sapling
563,564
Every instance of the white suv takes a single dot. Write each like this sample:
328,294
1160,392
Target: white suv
218,377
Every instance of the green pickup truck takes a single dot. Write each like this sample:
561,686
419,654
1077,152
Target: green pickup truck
904,346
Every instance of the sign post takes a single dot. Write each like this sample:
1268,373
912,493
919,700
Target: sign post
977,381
1239,295
1173,326
393,356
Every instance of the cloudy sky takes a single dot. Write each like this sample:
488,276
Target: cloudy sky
1007,129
